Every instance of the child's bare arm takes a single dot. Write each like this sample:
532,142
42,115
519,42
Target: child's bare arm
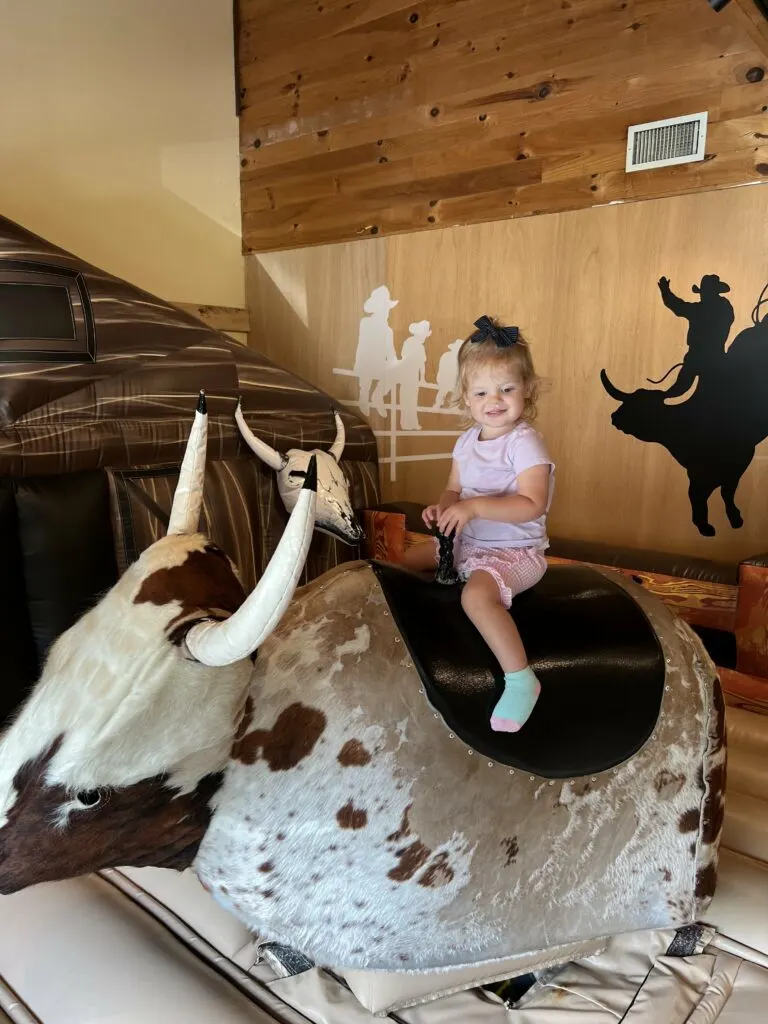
529,503
452,490
450,496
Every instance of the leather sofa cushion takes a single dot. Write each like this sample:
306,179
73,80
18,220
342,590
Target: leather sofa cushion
747,1000
242,513
747,732
20,666
182,894
68,552
80,952
684,566
745,828
739,908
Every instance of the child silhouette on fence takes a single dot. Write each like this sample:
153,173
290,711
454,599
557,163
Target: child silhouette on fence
409,374
447,372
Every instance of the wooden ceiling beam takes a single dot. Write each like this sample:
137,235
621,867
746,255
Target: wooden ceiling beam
230,319
745,16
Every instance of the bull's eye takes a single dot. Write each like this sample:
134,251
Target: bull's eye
89,797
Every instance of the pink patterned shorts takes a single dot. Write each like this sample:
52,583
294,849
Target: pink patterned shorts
514,569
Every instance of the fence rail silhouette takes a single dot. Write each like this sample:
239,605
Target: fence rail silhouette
393,409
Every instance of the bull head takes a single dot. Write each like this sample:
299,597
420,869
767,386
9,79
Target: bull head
643,411
334,514
91,774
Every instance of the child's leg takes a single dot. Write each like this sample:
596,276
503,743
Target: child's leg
421,557
482,602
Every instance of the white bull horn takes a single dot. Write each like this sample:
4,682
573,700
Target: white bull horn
686,396
272,458
337,448
223,643
188,496
611,388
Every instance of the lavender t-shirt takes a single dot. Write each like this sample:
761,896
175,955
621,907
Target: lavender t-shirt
492,467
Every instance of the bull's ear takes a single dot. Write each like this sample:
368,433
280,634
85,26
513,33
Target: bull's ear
275,460
337,448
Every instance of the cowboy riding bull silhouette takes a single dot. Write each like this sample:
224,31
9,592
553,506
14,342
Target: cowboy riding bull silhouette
714,431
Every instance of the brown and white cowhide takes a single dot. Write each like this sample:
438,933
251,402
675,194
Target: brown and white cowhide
353,826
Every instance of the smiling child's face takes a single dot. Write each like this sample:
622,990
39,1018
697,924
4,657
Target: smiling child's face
496,399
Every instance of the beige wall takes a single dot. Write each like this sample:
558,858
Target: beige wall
584,287
119,140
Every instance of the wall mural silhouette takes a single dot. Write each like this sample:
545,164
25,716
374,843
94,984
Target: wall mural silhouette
712,431
398,381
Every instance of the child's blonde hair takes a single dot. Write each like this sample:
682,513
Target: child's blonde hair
517,358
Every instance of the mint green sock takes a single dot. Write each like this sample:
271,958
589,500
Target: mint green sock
514,707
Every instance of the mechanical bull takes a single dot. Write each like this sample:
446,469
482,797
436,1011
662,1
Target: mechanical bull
342,792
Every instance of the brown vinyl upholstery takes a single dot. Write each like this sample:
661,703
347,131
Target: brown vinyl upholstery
91,438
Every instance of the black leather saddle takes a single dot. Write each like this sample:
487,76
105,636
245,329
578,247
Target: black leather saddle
592,647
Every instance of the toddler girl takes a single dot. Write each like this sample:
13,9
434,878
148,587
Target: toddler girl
496,499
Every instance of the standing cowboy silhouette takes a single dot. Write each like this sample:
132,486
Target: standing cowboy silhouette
709,324
375,355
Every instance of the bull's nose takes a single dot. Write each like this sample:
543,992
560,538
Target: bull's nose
353,530
356,531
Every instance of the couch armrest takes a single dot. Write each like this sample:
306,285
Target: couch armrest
751,618
760,561
391,528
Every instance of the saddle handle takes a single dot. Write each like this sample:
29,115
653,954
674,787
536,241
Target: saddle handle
446,573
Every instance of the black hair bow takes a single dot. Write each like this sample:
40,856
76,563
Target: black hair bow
503,336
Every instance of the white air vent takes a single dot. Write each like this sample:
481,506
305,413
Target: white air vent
678,140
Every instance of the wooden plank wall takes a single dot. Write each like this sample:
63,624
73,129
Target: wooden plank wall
583,285
373,117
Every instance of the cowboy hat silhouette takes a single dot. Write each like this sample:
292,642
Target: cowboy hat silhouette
379,301
421,327
711,283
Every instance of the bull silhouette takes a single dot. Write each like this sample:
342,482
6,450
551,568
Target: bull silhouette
712,433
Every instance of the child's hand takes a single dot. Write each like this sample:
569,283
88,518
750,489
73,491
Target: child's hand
456,517
431,514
